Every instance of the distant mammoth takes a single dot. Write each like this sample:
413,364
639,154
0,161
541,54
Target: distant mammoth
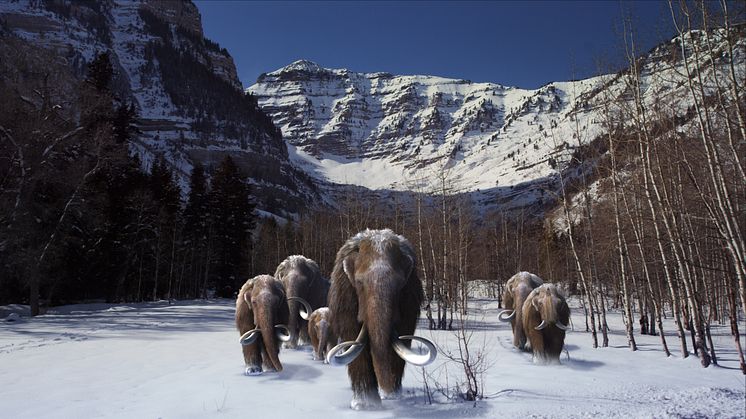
374,303
517,289
322,336
261,318
545,319
306,291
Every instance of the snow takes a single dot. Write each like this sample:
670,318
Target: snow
183,360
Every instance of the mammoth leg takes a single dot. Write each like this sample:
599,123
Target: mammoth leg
303,336
364,384
314,342
251,353
553,345
253,358
536,337
409,310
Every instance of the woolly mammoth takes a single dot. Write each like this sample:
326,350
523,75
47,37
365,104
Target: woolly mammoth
306,291
517,289
261,318
322,335
545,319
374,304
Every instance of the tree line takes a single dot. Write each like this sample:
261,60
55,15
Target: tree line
82,221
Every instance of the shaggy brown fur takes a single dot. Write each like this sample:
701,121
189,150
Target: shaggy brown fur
302,278
545,303
322,335
517,289
267,307
375,282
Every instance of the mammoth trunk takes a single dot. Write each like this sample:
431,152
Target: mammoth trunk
270,341
295,323
380,318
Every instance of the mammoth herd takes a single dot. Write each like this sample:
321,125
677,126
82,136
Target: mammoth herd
365,317
538,314
372,305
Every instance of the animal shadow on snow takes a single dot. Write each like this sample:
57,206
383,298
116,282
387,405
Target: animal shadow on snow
580,364
412,406
295,372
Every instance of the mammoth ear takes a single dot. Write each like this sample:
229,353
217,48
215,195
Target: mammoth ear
410,267
535,302
348,264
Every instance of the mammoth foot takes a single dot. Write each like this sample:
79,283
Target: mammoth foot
253,370
362,401
268,367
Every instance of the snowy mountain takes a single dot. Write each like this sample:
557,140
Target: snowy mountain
185,87
505,145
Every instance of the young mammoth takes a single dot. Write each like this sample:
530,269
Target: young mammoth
305,287
517,289
321,333
261,318
374,303
545,319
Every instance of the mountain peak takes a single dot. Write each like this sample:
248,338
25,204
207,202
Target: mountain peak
302,65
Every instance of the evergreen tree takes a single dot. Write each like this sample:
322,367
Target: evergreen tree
196,232
232,219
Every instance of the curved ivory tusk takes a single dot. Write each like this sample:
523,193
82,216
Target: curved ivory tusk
282,332
541,326
346,352
503,318
415,358
561,326
249,337
304,314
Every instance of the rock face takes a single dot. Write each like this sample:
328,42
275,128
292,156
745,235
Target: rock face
185,87
505,146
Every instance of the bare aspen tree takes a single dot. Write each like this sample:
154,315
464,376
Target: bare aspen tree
643,140
621,242
721,210
576,257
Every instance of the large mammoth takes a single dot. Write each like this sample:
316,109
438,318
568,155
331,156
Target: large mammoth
545,319
322,336
261,316
517,289
374,303
306,291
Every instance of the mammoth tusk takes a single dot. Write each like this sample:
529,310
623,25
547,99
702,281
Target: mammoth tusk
282,332
346,352
504,317
306,312
249,337
561,326
416,358
542,325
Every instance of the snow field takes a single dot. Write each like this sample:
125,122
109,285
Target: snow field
184,361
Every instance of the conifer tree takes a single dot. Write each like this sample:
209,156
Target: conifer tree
233,219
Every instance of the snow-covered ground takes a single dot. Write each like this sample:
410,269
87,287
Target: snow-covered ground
183,360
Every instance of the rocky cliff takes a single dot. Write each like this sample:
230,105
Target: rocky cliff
188,96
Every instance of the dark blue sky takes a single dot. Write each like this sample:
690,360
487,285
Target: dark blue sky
524,44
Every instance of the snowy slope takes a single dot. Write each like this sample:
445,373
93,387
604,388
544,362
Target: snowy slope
183,360
382,131
169,126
